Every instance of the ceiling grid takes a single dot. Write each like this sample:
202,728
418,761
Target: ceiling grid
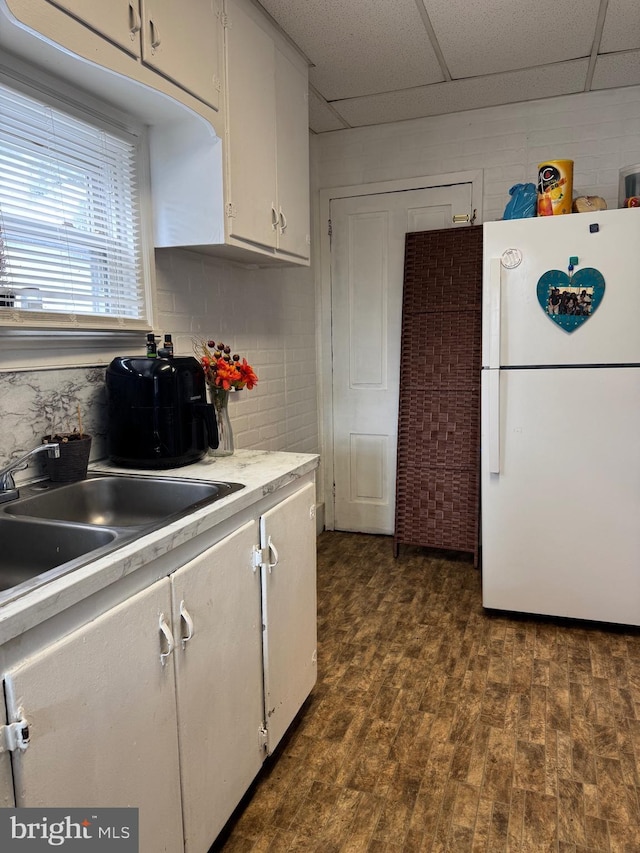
375,61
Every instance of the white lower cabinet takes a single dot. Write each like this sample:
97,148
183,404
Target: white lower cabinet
101,713
171,700
218,663
288,534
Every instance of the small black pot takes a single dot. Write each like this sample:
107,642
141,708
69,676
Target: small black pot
72,463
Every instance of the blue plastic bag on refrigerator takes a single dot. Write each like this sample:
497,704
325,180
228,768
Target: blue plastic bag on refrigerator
523,202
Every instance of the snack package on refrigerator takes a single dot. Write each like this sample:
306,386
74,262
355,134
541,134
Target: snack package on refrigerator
523,202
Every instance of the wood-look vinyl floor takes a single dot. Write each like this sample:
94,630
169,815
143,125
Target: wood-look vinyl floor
435,726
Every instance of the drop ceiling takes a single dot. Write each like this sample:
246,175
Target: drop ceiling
376,61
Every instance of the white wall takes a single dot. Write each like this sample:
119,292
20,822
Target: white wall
267,316
270,316
599,131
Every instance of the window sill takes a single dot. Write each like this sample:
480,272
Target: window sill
42,349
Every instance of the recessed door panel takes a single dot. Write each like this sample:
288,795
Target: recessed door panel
367,284
368,467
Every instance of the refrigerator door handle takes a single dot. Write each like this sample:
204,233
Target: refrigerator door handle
493,417
495,269
493,378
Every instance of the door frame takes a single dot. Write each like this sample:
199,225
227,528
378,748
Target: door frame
325,384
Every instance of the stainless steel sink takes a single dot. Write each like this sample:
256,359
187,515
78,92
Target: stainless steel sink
54,528
29,548
119,501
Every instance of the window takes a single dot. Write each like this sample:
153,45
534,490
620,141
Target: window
70,234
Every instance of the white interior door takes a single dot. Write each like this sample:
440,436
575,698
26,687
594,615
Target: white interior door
367,271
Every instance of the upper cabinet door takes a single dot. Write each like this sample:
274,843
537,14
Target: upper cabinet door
183,41
292,112
251,126
117,20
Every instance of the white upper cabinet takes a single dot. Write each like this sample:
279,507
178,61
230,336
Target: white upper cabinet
251,130
182,41
118,20
292,146
267,139
225,97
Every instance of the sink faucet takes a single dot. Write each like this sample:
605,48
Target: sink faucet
8,490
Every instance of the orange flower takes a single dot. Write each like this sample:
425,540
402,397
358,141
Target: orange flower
226,374
247,376
221,368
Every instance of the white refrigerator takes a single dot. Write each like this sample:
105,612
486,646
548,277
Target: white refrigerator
560,404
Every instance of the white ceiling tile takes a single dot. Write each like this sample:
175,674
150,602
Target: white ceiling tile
617,69
322,117
530,84
621,26
488,36
359,47
375,63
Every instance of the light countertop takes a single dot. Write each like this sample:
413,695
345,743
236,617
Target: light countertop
261,473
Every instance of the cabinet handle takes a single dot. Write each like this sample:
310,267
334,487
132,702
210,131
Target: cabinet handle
283,222
272,548
155,35
165,630
188,621
135,22
274,217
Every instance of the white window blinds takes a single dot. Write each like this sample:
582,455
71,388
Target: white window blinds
70,245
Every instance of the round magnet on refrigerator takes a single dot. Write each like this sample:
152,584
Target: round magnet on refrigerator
511,258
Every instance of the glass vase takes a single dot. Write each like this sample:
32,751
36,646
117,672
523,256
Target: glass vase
219,399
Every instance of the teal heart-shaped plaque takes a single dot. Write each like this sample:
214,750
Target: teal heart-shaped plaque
570,301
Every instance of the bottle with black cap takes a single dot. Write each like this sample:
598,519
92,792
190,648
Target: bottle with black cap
152,350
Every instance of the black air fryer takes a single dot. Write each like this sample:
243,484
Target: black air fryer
158,412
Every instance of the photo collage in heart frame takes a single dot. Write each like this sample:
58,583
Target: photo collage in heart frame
569,301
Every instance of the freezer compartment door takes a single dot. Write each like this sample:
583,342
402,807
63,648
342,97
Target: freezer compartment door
526,333
560,521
